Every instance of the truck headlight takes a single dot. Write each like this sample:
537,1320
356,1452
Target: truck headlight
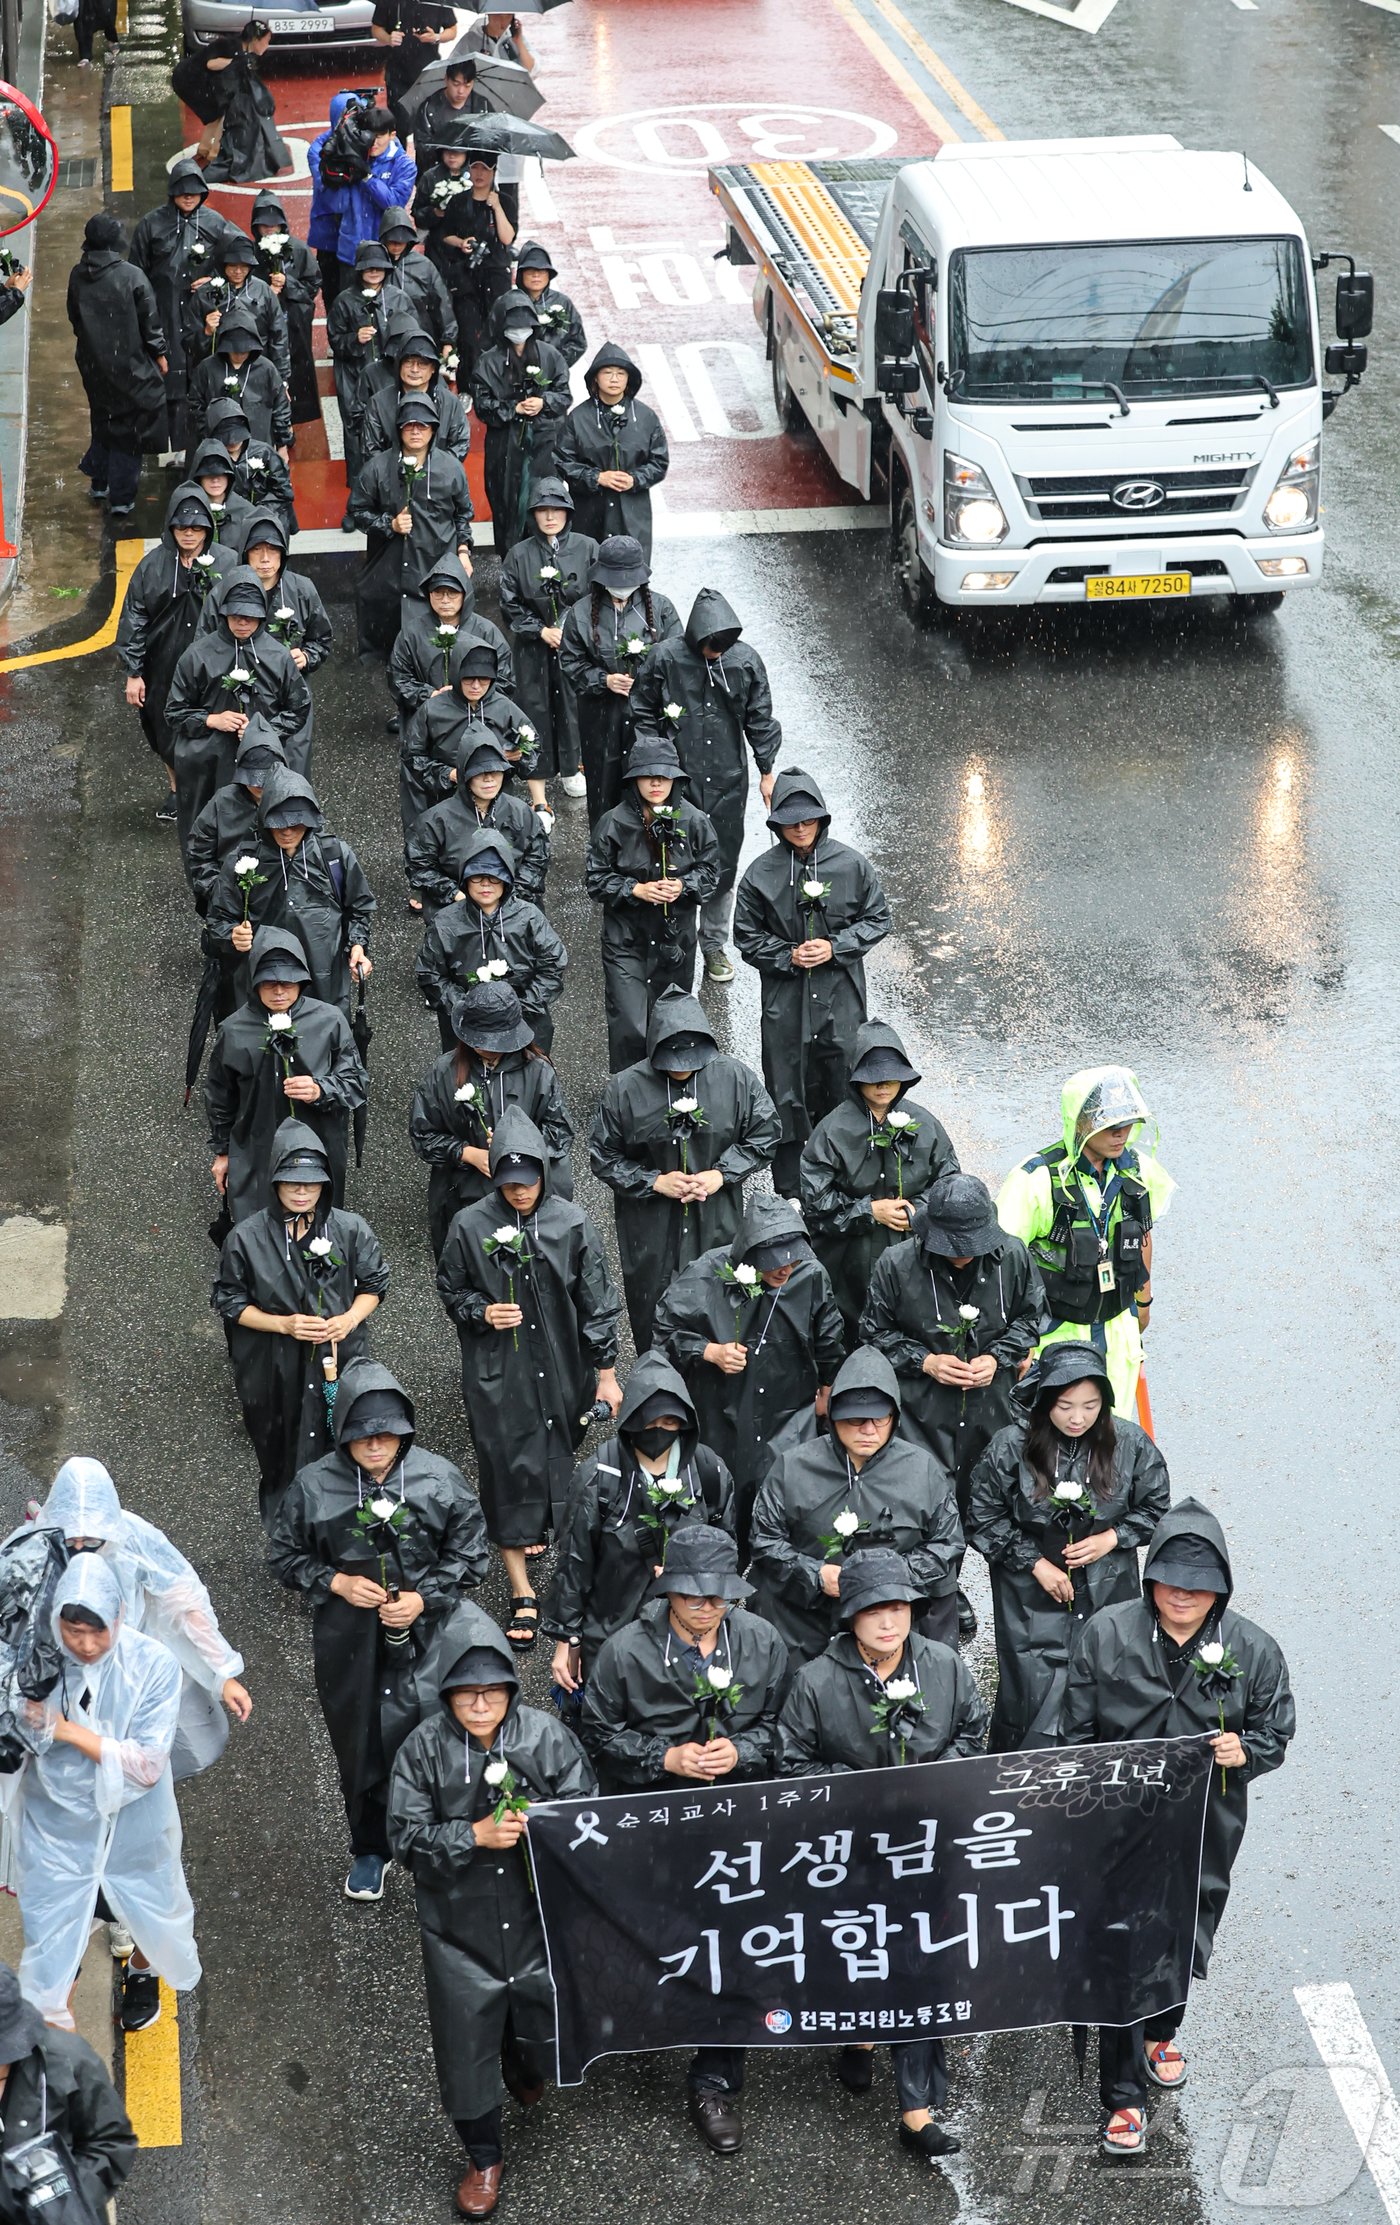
1293,503
971,511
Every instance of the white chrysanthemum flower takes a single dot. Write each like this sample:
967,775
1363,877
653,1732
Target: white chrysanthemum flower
320,1247
746,1274
1067,1491
381,1508
686,1105
1211,1655
279,1022
466,1095
814,889
969,1313
246,864
900,1688
495,1773
718,1677
846,1524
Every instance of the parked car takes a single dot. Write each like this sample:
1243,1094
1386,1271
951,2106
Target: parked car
296,28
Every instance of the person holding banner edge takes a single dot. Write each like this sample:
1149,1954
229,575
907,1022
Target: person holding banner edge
1176,1663
879,1697
460,1790
691,1691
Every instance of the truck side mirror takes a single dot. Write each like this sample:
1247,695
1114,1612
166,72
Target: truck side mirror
894,323
897,378
1344,361
1356,304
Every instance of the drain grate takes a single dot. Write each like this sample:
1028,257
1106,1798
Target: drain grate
77,172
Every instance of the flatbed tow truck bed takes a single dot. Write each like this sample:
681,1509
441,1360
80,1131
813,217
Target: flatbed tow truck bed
808,227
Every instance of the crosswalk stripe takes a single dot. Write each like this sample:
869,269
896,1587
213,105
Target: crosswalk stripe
1360,2082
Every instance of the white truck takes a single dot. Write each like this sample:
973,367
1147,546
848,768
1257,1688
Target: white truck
1076,370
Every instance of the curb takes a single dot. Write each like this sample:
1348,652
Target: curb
14,339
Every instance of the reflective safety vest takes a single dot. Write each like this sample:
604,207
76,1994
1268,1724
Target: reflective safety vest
1074,1249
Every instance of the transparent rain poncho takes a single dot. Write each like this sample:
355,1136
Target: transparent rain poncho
111,1825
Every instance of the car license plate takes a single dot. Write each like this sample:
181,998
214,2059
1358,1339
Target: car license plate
293,26
1135,586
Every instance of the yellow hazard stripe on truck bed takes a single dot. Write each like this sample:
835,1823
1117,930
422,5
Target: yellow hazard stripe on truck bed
829,239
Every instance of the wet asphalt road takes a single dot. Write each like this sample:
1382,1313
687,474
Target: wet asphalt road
1158,839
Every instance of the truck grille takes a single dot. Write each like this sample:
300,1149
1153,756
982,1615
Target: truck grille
1059,496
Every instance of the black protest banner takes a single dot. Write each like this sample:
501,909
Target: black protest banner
980,1895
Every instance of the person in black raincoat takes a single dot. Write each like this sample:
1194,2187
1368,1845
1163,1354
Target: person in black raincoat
754,1330
437,846
882,1696
410,366
653,860
690,1693
282,1055
520,390
541,578
296,1284
559,321
250,146
231,669
536,1316
382,1538
296,614
494,1062
956,1309
468,235
120,347
237,371
492,935
1179,1662
415,508
624,1503
418,279
288,268
176,245
605,639
805,915
357,325
490,2001
867,1164
228,824
1060,1502
431,624
303,880
161,613
473,708
55,2083
863,1486
243,293
675,1137
612,450
212,470
708,692
260,472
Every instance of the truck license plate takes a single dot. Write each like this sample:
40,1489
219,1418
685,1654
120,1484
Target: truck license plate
1134,586
293,26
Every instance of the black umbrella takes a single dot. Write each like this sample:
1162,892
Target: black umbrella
504,86
364,1036
203,1013
505,135
538,7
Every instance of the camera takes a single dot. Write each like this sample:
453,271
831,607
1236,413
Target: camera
40,2177
345,155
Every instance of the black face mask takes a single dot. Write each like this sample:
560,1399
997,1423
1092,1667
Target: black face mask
652,1441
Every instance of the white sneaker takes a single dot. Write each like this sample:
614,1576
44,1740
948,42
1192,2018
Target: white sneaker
120,1941
546,818
574,784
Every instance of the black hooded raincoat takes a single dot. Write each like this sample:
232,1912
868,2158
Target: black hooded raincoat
624,436
529,602
647,948
166,602
640,1701
319,894
904,1499
528,1392
458,1106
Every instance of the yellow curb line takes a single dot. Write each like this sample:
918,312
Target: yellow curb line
120,119
894,68
129,554
916,42
152,2083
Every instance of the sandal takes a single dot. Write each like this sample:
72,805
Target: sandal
533,1552
524,1610
1130,2121
415,905
1165,2065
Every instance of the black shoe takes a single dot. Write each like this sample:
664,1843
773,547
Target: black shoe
140,2000
929,2141
717,2118
166,814
120,509
855,2067
347,523
391,725
967,1615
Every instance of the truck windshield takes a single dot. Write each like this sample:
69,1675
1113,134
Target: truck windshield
1152,317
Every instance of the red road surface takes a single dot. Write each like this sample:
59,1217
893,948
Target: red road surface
650,93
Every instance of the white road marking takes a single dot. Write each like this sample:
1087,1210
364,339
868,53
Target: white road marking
1392,131
1359,2077
33,1268
1392,7
1082,15
335,431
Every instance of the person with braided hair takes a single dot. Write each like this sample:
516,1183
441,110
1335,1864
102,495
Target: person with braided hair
608,635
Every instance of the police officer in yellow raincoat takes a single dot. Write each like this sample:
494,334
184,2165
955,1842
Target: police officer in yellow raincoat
1085,1208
